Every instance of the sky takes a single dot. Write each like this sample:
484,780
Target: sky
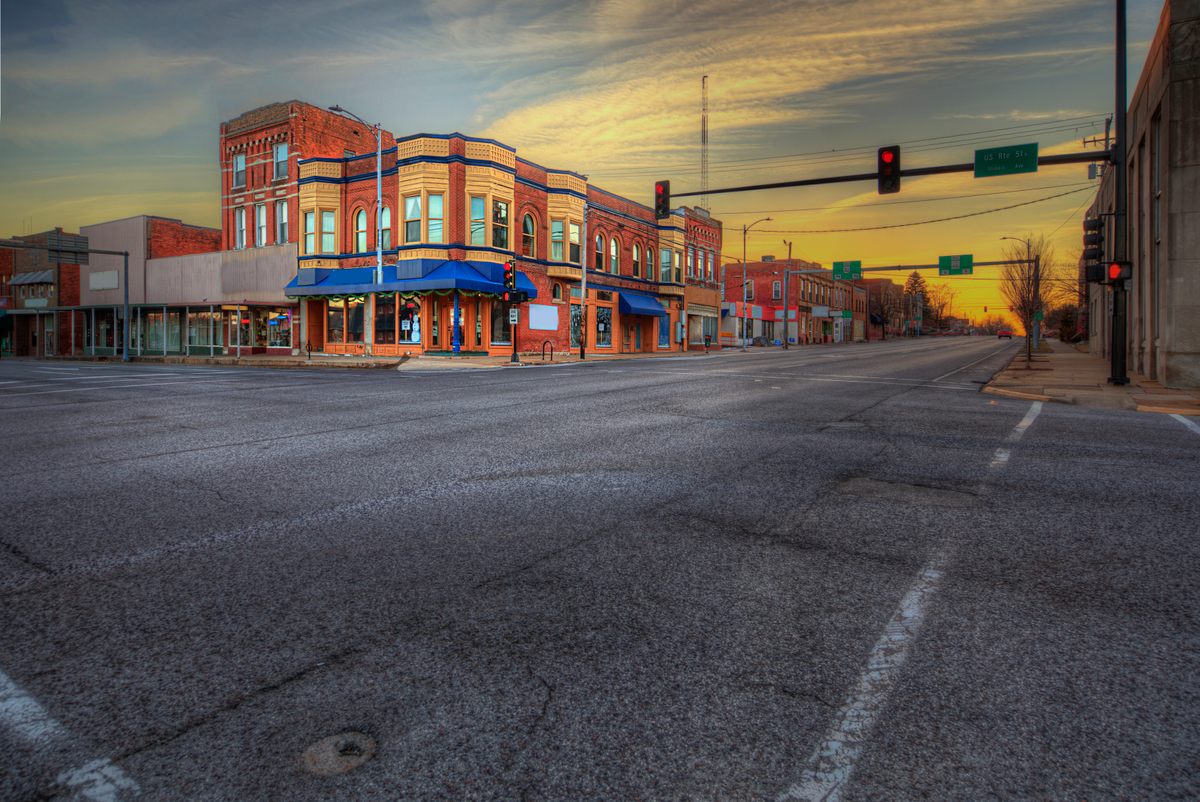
112,108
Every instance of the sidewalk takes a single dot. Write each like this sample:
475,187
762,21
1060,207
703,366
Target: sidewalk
1067,375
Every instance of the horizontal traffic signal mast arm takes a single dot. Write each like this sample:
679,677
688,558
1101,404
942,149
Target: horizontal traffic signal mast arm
968,167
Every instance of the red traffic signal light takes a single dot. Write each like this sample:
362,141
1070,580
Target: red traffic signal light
510,276
662,199
888,169
1118,271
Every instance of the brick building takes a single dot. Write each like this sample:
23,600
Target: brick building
820,310
36,288
454,210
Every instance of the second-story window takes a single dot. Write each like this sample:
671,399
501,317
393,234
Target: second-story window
310,232
776,290
678,267
385,228
328,231
637,261
239,227
556,240
435,218
260,225
614,255
528,240
664,265
412,218
478,220
239,170
711,270
599,261
281,158
281,222
360,231
574,255
500,224
691,262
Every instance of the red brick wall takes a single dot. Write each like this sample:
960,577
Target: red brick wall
166,237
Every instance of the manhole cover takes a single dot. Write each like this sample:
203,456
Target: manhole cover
338,754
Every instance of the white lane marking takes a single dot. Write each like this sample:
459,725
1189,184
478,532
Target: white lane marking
1191,424
969,364
113,387
833,761
831,764
97,780
834,379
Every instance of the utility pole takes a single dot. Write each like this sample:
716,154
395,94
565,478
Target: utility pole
787,271
583,285
1120,240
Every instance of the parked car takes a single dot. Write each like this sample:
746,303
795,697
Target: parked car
1004,333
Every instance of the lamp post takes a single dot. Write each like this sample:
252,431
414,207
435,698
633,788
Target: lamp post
1037,288
745,230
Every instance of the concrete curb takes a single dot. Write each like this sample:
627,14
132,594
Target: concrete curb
1025,396
1163,409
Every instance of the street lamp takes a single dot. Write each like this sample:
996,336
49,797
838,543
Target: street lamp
746,229
378,188
1037,288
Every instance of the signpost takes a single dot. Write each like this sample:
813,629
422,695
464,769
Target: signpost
1007,160
847,271
514,317
962,265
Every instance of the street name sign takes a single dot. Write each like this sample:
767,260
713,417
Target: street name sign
847,271
1007,160
961,265
847,314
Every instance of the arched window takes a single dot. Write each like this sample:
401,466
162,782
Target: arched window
385,228
599,265
557,291
649,263
614,255
637,264
528,240
360,231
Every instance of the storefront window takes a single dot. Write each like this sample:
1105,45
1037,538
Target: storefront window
500,323
433,328
354,320
576,327
385,320
204,328
336,323
664,332
478,322
279,329
603,327
410,322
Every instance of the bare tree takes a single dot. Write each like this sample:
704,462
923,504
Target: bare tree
888,304
1021,284
992,324
939,300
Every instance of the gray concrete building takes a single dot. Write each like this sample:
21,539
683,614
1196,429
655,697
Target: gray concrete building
1163,221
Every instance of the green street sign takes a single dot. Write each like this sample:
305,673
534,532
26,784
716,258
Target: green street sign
847,314
1006,160
961,265
1039,315
847,271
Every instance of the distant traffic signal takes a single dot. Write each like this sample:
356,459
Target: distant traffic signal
510,276
889,169
662,199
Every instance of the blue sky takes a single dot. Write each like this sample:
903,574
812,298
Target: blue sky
112,108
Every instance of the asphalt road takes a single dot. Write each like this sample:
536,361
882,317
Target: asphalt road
836,572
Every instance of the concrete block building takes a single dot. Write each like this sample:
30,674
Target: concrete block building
1163,202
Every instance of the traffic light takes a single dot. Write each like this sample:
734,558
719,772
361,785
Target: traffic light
510,276
889,169
662,199
985,310
1093,239
1118,271
514,296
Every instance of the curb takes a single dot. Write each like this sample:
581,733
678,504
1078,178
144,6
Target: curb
1167,410
1025,396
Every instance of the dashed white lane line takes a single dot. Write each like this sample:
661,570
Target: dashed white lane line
96,780
829,769
1188,422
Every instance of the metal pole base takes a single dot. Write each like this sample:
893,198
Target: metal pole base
1119,381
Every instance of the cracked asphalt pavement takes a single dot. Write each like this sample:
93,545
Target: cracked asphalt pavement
630,580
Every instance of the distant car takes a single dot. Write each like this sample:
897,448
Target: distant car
1004,333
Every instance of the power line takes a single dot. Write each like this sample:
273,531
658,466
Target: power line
915,200
914,223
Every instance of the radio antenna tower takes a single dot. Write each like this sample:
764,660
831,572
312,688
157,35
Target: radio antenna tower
704,141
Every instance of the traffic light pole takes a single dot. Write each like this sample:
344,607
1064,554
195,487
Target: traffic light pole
1120,240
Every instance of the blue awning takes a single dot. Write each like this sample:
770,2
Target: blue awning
410,275
637,303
